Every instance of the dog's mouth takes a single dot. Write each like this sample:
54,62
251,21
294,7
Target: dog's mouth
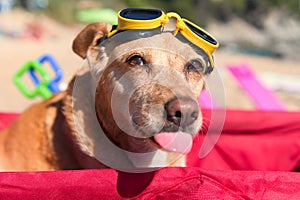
180,142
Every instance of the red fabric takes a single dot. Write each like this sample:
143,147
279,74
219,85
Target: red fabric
253,140
250,140
6,119
168,183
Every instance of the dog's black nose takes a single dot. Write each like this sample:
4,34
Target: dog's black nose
182,111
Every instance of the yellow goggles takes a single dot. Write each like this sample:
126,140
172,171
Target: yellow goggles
139,18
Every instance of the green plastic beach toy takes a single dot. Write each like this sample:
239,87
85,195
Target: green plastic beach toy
40,89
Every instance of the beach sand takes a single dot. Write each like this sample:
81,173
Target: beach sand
56,39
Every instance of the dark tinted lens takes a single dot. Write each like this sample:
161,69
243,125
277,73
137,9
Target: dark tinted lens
140,14
200,33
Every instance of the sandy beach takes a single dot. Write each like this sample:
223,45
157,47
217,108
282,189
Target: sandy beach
16,48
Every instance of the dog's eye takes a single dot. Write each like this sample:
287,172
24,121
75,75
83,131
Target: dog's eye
195,66
136,60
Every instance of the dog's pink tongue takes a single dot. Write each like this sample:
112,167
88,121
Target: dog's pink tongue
176,142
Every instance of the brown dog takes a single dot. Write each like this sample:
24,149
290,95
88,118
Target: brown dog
143,93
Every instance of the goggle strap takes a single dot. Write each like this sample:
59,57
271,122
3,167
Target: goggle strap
114,27
111,33
212,62
102,39
176,31
209,70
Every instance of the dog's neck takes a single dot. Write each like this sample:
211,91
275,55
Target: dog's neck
85,129
65,147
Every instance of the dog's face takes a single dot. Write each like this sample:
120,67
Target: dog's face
147,92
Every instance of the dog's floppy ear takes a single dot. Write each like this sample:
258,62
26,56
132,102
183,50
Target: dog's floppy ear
89,36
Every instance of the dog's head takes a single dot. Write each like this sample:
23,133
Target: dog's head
147,89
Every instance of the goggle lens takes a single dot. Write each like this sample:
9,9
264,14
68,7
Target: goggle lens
140,14
200,33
